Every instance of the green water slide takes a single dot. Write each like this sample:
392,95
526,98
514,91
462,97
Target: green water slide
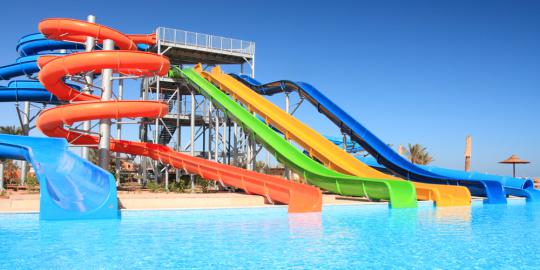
400,194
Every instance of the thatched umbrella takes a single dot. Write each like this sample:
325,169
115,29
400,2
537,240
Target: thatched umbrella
513,159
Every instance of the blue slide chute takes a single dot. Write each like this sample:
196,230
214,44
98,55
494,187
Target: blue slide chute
70,187
495,188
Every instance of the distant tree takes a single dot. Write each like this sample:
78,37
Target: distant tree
13,130
7,168
418,154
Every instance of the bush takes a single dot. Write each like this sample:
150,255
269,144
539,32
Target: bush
154,187
178,187
204,184
31,183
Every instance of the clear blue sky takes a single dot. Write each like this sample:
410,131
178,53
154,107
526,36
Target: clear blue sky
426,72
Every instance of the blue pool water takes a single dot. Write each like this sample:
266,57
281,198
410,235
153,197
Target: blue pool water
342,237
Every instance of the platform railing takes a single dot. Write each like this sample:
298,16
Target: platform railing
205,41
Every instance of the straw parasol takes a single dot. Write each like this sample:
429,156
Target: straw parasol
513,159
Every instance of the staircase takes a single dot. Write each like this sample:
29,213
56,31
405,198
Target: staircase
166,132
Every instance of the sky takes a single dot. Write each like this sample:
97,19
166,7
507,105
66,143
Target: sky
428,72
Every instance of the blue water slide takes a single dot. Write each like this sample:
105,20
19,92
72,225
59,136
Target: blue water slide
26,90
30,48
70,187
34,44
479,185
508,182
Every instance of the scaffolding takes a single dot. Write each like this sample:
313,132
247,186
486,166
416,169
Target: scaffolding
193,125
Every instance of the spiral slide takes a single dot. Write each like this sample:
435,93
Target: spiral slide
128,61
493,187
323,150
71,188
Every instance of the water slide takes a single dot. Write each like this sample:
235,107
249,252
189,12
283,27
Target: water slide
529,192
129,61
30,48
323,150
493,187
70,187
400,194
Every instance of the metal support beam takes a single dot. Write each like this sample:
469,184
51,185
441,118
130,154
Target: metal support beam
26,130
143,134
156,133
192,137
216,137
167,178
178,129
287,106
210,131
105,124
235,144
253,148
89,78
224,140
119,133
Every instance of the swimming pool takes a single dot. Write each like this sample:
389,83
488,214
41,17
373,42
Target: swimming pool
342,237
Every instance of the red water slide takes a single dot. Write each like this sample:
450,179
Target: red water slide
128,61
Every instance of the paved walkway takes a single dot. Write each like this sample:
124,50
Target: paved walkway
21,202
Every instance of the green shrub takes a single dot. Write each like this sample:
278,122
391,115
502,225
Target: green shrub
178,187
31,183
203,183
154,187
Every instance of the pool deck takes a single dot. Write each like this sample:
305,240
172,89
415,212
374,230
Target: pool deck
20,202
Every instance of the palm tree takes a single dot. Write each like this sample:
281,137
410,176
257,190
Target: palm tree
418,154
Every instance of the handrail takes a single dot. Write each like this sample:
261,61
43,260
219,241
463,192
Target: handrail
206,41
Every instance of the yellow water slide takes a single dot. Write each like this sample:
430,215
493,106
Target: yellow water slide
319,147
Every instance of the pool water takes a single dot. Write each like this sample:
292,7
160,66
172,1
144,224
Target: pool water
342,237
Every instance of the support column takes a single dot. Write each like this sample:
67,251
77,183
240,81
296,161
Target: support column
119,133
166,178
157,172
344,138
26,131
253,147
224,140
229,132
287,105
143,132
178,129
89,78
235,144
210,124
192,137
105,124
247,143
216,137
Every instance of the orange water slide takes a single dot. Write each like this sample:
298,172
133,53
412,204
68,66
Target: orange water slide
127,61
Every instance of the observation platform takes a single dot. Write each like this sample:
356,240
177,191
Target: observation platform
185,47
